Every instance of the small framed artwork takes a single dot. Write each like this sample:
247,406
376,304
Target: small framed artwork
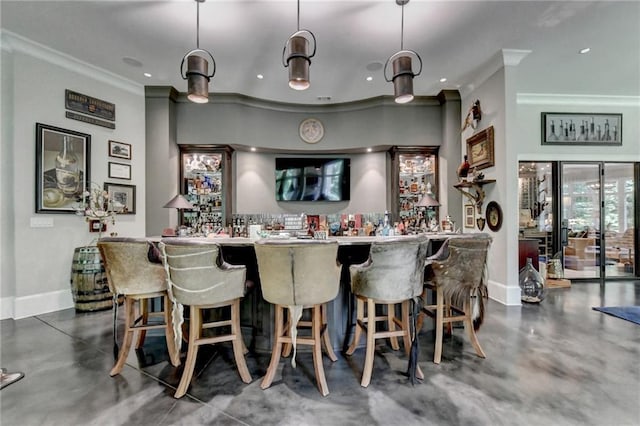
469,216
120,150
480,149
63,158
122,195
565,128
97,226
119,171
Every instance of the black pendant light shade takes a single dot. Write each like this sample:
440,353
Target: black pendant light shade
401,62
197,72
296,57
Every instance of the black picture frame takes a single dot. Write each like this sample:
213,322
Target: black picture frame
493,214
119,171
581,129
63,162
124,194
120,150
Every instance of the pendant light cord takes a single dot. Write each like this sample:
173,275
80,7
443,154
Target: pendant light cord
198,25
298,15
402,29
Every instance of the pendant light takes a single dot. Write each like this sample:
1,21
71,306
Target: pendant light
402,69
197,72
295,56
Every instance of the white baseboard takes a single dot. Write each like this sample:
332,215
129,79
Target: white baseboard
507,295
35,304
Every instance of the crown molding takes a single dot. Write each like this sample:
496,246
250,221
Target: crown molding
12,42
586,100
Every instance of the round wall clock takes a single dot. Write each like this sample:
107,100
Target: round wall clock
311,130
494,216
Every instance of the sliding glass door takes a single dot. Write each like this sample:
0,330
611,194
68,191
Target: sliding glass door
583,213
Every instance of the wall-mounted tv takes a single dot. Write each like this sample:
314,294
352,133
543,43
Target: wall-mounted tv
313,179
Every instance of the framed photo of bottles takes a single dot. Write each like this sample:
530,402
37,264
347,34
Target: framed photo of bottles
570,128
63,158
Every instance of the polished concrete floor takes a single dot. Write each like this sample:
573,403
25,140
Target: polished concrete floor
556,363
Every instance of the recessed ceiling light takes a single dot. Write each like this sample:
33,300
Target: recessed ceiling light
260,76
146,74
585,50
443,79
253,148
369,149
369,78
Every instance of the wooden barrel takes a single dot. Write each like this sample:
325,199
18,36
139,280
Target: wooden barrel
89,285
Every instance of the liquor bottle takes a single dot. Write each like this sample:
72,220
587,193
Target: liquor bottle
67,169
414,186
607,135
582,136
552,136
561,131
572,131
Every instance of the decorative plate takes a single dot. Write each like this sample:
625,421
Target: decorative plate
494,216
311,130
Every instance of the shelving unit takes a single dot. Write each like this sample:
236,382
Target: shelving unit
477,196
205,182
414,173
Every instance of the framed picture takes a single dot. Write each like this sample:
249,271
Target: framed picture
120,150
494,216
119,171
469,216
564,128
124,195
63,158
97,226
480,149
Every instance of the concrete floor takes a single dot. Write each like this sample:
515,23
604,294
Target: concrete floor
557,363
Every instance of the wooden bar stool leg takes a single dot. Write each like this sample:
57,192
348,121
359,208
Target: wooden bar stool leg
316,326
391,326
277,349
195,325
238,346
287,347
437,354
325,335
128,336
358,332
371,343
174,352
468,324
144,320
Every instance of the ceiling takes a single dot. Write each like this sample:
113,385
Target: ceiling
456,40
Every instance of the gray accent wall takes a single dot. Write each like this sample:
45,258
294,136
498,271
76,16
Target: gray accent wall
272,129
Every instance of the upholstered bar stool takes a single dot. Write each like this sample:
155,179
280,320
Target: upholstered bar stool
132,275
392,275
459,282
200,279
299,275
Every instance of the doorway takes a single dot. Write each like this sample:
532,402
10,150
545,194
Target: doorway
584,214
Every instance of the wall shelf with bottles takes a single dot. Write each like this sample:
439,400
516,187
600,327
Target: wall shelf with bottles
414,174
205,182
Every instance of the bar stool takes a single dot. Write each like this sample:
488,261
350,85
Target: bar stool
392,275
459,282
132,275
199,278
299,275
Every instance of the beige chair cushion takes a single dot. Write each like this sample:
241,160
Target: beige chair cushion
127,267
301,273
394,270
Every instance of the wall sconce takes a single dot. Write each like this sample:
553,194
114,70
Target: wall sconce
295,56
197,70
402,69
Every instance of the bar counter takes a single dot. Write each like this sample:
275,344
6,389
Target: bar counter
257,314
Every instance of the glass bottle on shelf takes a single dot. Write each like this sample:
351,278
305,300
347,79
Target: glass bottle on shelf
67,169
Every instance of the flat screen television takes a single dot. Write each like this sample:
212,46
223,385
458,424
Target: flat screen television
313,179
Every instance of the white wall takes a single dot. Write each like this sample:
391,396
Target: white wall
39,259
